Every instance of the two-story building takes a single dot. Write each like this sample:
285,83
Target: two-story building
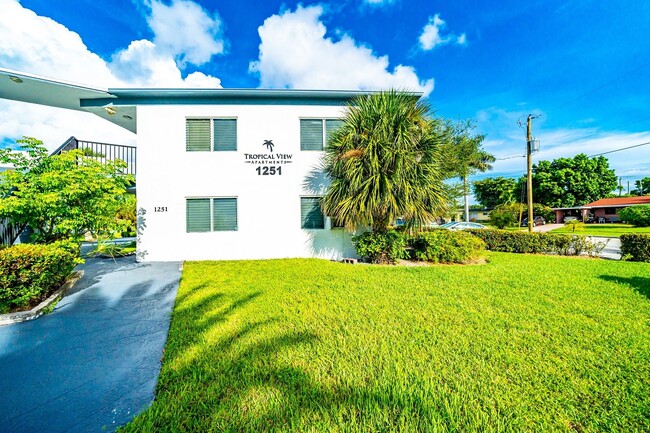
222,173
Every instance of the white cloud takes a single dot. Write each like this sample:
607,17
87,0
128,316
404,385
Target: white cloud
432,36
186,31
378,2
39,45
294,53
505,140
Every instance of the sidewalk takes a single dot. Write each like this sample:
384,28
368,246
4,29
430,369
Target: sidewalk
93,363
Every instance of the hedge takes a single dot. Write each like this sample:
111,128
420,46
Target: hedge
446,246
635,247
537,243
437,246
380,247
29,273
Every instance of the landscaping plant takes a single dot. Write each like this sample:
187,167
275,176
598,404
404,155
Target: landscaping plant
638,215
636,247
62,196
384,163
385,247
446,246
29,273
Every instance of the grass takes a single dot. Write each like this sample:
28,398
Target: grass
605,230
522,344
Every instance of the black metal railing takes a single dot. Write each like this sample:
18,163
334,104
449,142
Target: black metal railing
9,232
106,151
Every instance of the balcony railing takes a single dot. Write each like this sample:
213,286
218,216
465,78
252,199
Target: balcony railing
106,151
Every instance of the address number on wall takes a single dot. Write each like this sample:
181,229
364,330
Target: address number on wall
268,171
160,209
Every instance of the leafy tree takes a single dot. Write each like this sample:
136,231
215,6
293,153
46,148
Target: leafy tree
464,156
506,215
567,182
61,196
638,215
493,191
642,187
383,163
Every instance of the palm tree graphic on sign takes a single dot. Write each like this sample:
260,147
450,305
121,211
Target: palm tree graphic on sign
269,144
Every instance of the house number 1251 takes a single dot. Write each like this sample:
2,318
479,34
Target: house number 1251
268,171
160,209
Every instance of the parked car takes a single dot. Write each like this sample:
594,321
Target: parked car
570,218
461,225
537,221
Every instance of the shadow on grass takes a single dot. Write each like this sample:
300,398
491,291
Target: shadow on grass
640,284
244,380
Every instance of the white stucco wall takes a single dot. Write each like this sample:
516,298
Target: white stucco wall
268,206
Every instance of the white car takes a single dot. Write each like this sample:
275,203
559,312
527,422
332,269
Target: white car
570,218
461,225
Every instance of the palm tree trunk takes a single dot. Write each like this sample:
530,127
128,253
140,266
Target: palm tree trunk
466,191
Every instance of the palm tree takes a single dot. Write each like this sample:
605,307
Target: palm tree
383,163
464,157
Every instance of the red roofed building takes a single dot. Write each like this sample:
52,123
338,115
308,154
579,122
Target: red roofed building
606,208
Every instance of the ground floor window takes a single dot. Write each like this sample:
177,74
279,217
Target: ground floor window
311,214
208,214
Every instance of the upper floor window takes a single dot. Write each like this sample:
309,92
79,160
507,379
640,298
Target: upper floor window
205,135
315,133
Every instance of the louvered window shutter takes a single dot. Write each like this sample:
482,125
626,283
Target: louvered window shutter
197,214
311,134
311,215
225,134
197,135
225,214
331,125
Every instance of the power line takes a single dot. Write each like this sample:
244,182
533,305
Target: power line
622,148
600,87
599,132
510,157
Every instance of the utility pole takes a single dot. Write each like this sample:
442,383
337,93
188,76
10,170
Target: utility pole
529,161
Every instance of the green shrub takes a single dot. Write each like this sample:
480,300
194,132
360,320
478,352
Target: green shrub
446,246
30,272
538,243
638,215
380,247
506,215
635,247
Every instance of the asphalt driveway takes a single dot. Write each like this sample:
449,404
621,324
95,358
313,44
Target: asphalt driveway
93,363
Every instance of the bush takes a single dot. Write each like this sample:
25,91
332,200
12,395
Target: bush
638,215
635,247
537,243
446,246
506,215
380,247
29,272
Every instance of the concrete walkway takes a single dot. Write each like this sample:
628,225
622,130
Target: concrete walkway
93,363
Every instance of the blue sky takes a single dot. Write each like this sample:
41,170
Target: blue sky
583,65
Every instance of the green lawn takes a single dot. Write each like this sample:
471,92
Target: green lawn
522,344
606,230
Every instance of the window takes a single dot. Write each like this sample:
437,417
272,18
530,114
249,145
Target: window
610,211
311,215
315,133
211,214
203,135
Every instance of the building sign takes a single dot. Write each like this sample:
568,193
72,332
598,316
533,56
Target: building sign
268,163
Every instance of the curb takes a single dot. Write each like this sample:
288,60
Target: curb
37,311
